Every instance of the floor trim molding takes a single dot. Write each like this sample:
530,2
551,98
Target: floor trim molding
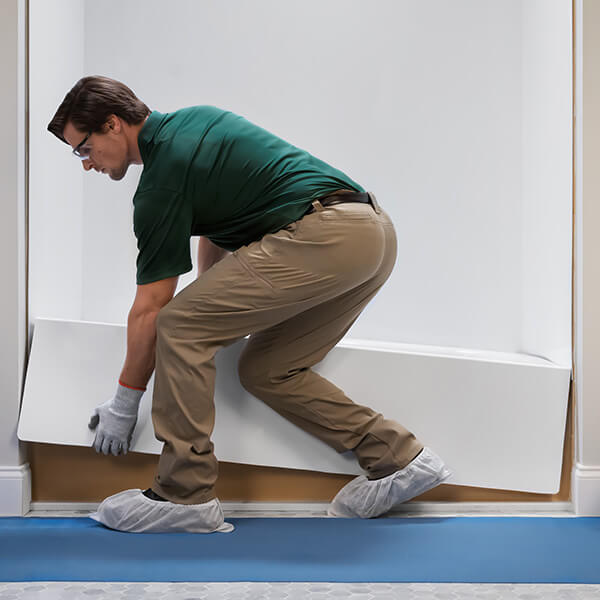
585,490
15,490
319,509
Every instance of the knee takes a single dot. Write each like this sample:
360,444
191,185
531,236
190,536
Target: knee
250,372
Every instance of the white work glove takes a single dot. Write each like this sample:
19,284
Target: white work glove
116,420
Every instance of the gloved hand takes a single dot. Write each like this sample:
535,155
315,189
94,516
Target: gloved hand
116,420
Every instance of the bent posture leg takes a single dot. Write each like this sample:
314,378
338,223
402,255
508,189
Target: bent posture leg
275,366
336,258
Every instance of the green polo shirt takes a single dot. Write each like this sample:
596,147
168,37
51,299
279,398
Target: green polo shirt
210,172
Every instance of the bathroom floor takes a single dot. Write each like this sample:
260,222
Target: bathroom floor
65,590
291,591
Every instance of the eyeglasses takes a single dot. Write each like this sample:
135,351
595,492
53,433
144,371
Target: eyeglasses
77,151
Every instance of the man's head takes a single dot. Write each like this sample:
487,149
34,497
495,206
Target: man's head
108,116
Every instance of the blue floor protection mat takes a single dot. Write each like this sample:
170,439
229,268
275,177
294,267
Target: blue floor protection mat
437,550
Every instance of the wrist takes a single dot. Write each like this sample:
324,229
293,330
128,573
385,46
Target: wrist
131,387
127,400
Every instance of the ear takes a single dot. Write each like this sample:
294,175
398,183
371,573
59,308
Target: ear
112,124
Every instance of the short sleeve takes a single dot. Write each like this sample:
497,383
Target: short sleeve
162,224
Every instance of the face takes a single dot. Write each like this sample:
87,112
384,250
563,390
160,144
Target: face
106,150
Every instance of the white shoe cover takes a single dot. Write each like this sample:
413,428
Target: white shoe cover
367,499
131,511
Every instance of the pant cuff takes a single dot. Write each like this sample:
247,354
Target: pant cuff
197,498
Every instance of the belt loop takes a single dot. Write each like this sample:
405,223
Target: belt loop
317,205
375,203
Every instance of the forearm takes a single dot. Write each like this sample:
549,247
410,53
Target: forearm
141,347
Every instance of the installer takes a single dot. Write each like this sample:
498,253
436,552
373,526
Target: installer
290,252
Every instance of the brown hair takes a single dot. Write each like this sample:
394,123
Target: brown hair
91,100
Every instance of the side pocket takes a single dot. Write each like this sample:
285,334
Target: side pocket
252,271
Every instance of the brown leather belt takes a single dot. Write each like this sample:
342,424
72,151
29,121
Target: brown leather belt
342,196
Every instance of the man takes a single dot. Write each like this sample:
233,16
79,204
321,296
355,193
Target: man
291,250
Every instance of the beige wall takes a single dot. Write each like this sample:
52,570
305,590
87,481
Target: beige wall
586,281
589,221
13,479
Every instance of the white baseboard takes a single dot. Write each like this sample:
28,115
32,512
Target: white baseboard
585,490
15,490
319,509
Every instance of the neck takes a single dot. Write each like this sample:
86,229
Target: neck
135,157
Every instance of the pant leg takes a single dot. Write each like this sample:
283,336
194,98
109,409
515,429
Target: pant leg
307,263
275,366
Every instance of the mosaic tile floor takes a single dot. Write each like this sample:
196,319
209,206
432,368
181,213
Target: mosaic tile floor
294,591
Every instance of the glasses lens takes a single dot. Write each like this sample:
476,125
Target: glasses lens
81,151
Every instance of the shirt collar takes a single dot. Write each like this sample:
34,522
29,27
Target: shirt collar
146,134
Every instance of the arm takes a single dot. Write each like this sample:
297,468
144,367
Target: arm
208,254
141,322
116,419
141,331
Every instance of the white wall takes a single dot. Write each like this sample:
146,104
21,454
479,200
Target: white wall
547,188
453,80
56,220
434,114
465,24
462,131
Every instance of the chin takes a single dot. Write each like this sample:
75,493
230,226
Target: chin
118,175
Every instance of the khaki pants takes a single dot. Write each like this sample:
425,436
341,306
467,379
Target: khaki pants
297,292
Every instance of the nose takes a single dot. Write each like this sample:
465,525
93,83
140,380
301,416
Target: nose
87,164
